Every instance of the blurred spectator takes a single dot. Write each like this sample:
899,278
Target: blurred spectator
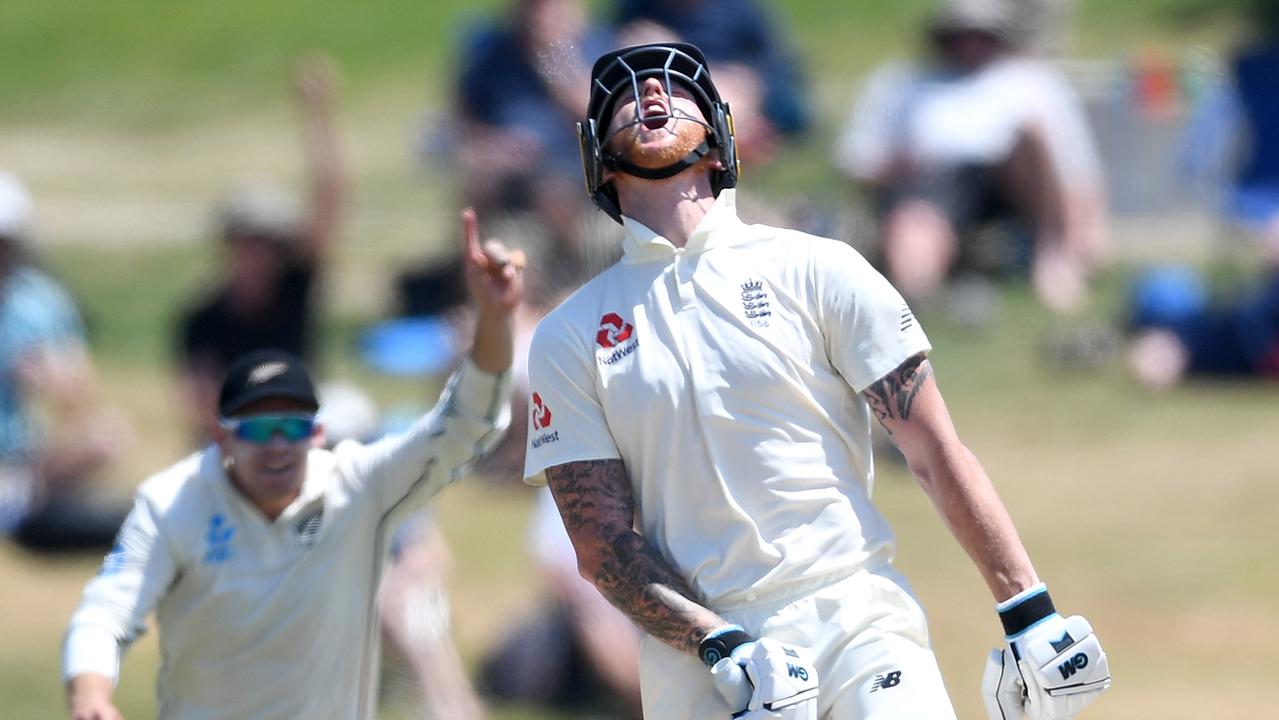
521,90
756,69
978,132
266,295
1178,333
54,437
576,651
1233,137
412,599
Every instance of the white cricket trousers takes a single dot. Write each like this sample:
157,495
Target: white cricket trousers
866,635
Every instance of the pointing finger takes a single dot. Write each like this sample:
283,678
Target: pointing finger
471,235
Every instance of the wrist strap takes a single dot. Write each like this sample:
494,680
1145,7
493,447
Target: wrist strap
1024,609
721,642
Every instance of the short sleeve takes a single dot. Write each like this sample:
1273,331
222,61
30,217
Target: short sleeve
869,328
566,421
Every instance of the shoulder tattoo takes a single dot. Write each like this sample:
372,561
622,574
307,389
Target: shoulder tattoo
893,396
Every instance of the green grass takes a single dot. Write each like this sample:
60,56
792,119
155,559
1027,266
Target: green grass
1151,513
149,63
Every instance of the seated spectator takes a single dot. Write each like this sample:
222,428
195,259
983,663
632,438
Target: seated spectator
756,70
521,91
265,297
1233,136
978,132
1178,334
54,437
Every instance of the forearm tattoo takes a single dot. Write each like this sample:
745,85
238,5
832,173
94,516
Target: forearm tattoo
894,394
595,501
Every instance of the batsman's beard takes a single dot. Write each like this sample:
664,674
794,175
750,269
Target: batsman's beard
629,145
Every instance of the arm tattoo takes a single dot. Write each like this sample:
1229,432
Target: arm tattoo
893,395
595,501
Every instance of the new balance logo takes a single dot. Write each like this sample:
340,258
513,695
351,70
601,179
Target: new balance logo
796,671
1073,665
883,681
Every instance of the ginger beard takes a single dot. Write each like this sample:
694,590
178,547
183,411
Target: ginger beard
654,148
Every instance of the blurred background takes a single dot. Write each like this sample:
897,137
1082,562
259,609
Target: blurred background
1104,302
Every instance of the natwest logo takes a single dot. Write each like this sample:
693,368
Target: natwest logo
613,330
541,413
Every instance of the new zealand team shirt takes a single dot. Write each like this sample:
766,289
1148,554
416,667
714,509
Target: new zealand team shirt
727,376
274,620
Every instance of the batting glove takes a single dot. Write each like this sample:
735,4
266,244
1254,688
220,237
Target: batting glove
760,679
1052,668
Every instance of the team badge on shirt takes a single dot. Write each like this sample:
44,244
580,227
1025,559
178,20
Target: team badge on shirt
617,335
308,528
542,423
755,303
218,540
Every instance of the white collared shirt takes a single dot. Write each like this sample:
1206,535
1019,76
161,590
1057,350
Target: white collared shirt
726,375
275,619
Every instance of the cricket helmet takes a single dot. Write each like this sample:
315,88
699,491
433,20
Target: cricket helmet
616,76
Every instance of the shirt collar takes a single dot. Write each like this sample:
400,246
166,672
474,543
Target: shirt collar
319,464
716,228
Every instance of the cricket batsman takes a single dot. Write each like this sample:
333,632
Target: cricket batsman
702,413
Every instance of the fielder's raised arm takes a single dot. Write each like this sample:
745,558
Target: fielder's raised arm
246,549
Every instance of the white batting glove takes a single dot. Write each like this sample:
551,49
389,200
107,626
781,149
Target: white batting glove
761,679
1002,688
1052,668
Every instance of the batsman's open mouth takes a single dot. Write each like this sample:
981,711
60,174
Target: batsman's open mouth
655,115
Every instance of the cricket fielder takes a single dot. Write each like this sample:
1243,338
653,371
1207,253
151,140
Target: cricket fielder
261,555
701,411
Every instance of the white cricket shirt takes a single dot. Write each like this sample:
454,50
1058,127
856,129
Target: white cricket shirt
274,620
726,375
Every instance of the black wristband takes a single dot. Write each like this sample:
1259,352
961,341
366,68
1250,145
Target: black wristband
1026,613
720,643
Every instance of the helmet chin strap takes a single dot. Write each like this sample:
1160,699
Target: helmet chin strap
618,164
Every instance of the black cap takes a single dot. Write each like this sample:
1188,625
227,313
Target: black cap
265,374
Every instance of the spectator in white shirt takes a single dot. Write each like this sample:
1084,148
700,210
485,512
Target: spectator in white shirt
979,132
